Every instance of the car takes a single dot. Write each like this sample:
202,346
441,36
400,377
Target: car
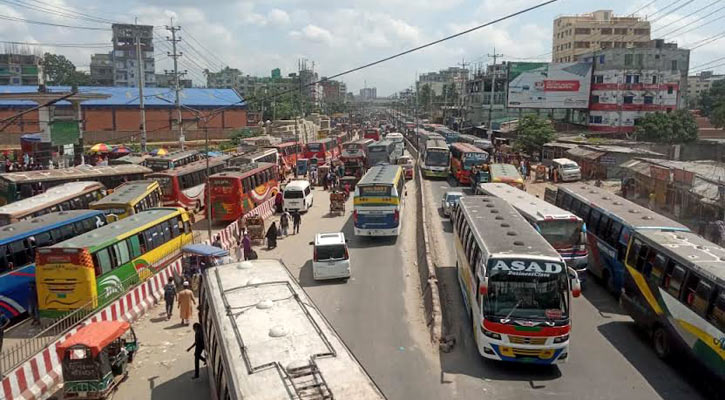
330,256
408,166
449,200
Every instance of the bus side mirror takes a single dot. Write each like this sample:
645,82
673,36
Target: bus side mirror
576,287
483,287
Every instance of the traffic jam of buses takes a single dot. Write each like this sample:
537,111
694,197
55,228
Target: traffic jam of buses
76,241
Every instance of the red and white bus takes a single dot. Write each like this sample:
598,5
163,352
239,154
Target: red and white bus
237,191
372,133
356,152
464,157
185,186
323,150
289,152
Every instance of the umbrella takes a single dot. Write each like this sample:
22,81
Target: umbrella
99,148
159,152
120,149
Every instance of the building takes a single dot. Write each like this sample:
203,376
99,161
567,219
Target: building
333,91
308,82
604,161
368,94
102,69
437,80
628,83
696,84
20,69
478,94
167,81
575,35
228,78
125,59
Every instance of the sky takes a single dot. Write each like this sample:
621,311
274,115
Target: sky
257,36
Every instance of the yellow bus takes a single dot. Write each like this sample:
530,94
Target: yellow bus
129,199
93,269
508,174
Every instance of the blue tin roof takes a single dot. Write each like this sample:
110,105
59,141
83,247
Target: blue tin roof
128,96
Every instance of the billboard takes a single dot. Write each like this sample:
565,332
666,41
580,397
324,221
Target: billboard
549,85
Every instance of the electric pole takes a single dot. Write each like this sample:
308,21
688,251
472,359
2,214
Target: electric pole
176,74
493,89
463,95
141,83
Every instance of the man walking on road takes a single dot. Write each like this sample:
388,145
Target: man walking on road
170,296
198,347
186,299
296,221
284,223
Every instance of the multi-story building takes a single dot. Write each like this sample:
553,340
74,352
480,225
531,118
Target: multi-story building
125,59
437,80
20,69
575,35
228,78
333,91
697,84
102,69
167,81
478,94
368,93
308,80
629,83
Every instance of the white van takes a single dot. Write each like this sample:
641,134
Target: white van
567,169
297,195
330,256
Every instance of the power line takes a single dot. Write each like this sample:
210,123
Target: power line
705,41
693,22
64,14
692,13
211,53
709,62
68,45
28,21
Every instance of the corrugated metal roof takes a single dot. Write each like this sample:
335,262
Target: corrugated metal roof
584,153
705,184
128,96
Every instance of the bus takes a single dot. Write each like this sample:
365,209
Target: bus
564,231
610,222
92,269
129,199
16,186
68,196
323,150
269,155
372,133
381,153
508,174
237,192
516,288
464,157
674,289
173,160
185,186
132,159
483,144
276,344
378,201
450,135
355,153
19,243
289,152
435,162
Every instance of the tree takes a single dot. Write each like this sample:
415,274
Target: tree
717,115
675,127
61,71
709,98
425,97
532,133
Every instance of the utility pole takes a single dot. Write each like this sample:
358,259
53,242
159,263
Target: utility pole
463,95
141,83
176,74
493,90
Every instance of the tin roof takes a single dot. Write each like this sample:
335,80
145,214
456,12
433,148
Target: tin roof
709,175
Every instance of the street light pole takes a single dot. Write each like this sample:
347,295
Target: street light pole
208,186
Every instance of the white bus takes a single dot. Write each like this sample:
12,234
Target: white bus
562,229
378,201
483,144
515,286
265,339
436,158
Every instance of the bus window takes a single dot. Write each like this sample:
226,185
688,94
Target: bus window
135,246
658,269
717,315
175,227
701,298
166,231
122,252
584,212
612,234
602,229
43,239
567,202
575,205
673,279
593,221
148,240
634,252
19,253
103,261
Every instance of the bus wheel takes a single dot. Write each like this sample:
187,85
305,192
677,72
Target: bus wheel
661,342
197,207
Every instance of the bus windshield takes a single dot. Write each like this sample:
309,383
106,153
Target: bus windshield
561,233
527,294
436,158
165,183
314,147
472,159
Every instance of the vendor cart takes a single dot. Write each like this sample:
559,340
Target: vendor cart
337,201
255,228
540,173
322,171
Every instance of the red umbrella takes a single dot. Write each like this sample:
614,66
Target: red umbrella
121,149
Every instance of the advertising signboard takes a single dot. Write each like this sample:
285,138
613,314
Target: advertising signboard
549,85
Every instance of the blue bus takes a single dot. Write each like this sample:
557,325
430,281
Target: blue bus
610,221
450,135
378,202
18,243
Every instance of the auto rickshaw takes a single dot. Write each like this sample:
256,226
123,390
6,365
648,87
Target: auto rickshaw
94,359
303,165
199,256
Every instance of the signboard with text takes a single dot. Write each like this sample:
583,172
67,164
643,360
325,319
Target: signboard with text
549,85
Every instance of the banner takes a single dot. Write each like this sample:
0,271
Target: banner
549,85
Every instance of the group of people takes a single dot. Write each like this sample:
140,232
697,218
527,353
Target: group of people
273,232
185,302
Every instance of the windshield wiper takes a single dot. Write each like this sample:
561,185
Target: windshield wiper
506,319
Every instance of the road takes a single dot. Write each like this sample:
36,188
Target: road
609,358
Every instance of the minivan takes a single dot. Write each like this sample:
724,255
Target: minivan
567,169
297,195
330,256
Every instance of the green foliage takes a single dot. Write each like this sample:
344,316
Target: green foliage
425,97
532,133
710,98
450,94
237,136
61,71
717,116
675,127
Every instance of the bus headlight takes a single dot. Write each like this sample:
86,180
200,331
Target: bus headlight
561,339
492,335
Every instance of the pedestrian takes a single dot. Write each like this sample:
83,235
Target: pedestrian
217,242
652,198
325,181
247,244
284,223
33,304
239,251
296,221
170,296
313,176
278,201
196,278
4,322
198,347
272,236
186,299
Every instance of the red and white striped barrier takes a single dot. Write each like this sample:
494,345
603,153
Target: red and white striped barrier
36,377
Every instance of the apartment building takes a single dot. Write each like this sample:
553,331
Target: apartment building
437,80
20,69
125,59
102,69
697,84
574,35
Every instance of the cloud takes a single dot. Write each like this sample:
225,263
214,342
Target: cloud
278,17
313,33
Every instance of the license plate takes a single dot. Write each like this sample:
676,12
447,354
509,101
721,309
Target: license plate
375,212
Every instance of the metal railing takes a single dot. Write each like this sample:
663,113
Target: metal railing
21,352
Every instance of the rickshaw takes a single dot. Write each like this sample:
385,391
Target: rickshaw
540,173
94,359
303,165
199,256
255,227
322,174
337,201
351,181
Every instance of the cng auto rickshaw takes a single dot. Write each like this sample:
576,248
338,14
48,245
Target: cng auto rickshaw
94,359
